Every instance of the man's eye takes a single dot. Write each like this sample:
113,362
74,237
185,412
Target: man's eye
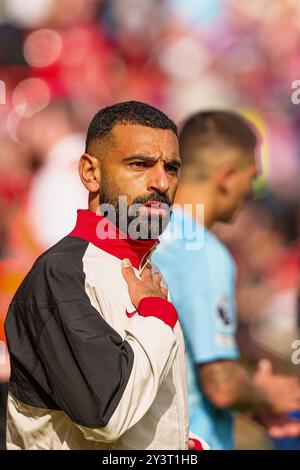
172,168
137,164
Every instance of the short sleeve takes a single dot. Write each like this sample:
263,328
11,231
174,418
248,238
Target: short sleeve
209,326
202,287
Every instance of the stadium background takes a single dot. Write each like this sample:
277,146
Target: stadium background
60,61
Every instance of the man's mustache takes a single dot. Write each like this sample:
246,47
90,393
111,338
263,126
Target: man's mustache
155,197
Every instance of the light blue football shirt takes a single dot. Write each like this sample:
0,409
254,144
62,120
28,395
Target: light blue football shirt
201,283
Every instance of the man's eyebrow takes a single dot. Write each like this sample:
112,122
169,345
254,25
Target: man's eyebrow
173,161
139,157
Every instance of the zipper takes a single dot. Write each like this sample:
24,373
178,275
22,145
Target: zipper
176,367
181,399
146,258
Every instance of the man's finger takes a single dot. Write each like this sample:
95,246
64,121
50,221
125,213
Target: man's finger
164,290
128,271
146,273
265,366
288,429
156,278
192,444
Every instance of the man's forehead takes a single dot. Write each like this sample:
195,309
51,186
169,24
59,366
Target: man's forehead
134,136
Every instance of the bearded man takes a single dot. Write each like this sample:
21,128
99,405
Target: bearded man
97,353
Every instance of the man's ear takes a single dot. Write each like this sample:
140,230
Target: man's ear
90,173
223,177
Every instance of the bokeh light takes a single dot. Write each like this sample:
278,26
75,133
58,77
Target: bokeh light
42,47
30,96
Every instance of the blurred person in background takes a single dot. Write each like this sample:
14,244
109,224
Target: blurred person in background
267,256
218,151
264,240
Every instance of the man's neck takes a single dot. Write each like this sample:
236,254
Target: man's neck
191,195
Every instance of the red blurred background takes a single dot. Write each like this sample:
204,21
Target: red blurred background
60,61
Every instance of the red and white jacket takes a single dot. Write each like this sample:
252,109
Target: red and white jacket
89,371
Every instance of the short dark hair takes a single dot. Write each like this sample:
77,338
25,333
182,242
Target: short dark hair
128,112
207,129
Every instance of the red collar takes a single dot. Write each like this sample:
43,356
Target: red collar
117,243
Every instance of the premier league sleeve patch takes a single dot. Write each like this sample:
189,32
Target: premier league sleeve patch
225,321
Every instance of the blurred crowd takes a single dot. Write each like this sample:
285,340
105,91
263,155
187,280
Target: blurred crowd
60,61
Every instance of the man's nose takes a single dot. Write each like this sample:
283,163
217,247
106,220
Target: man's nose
158,180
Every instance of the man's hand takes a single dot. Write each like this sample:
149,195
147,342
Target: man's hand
4,372
4,363
282,392
197,443
192,444
148,286
278,426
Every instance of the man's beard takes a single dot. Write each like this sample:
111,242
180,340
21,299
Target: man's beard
142,226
